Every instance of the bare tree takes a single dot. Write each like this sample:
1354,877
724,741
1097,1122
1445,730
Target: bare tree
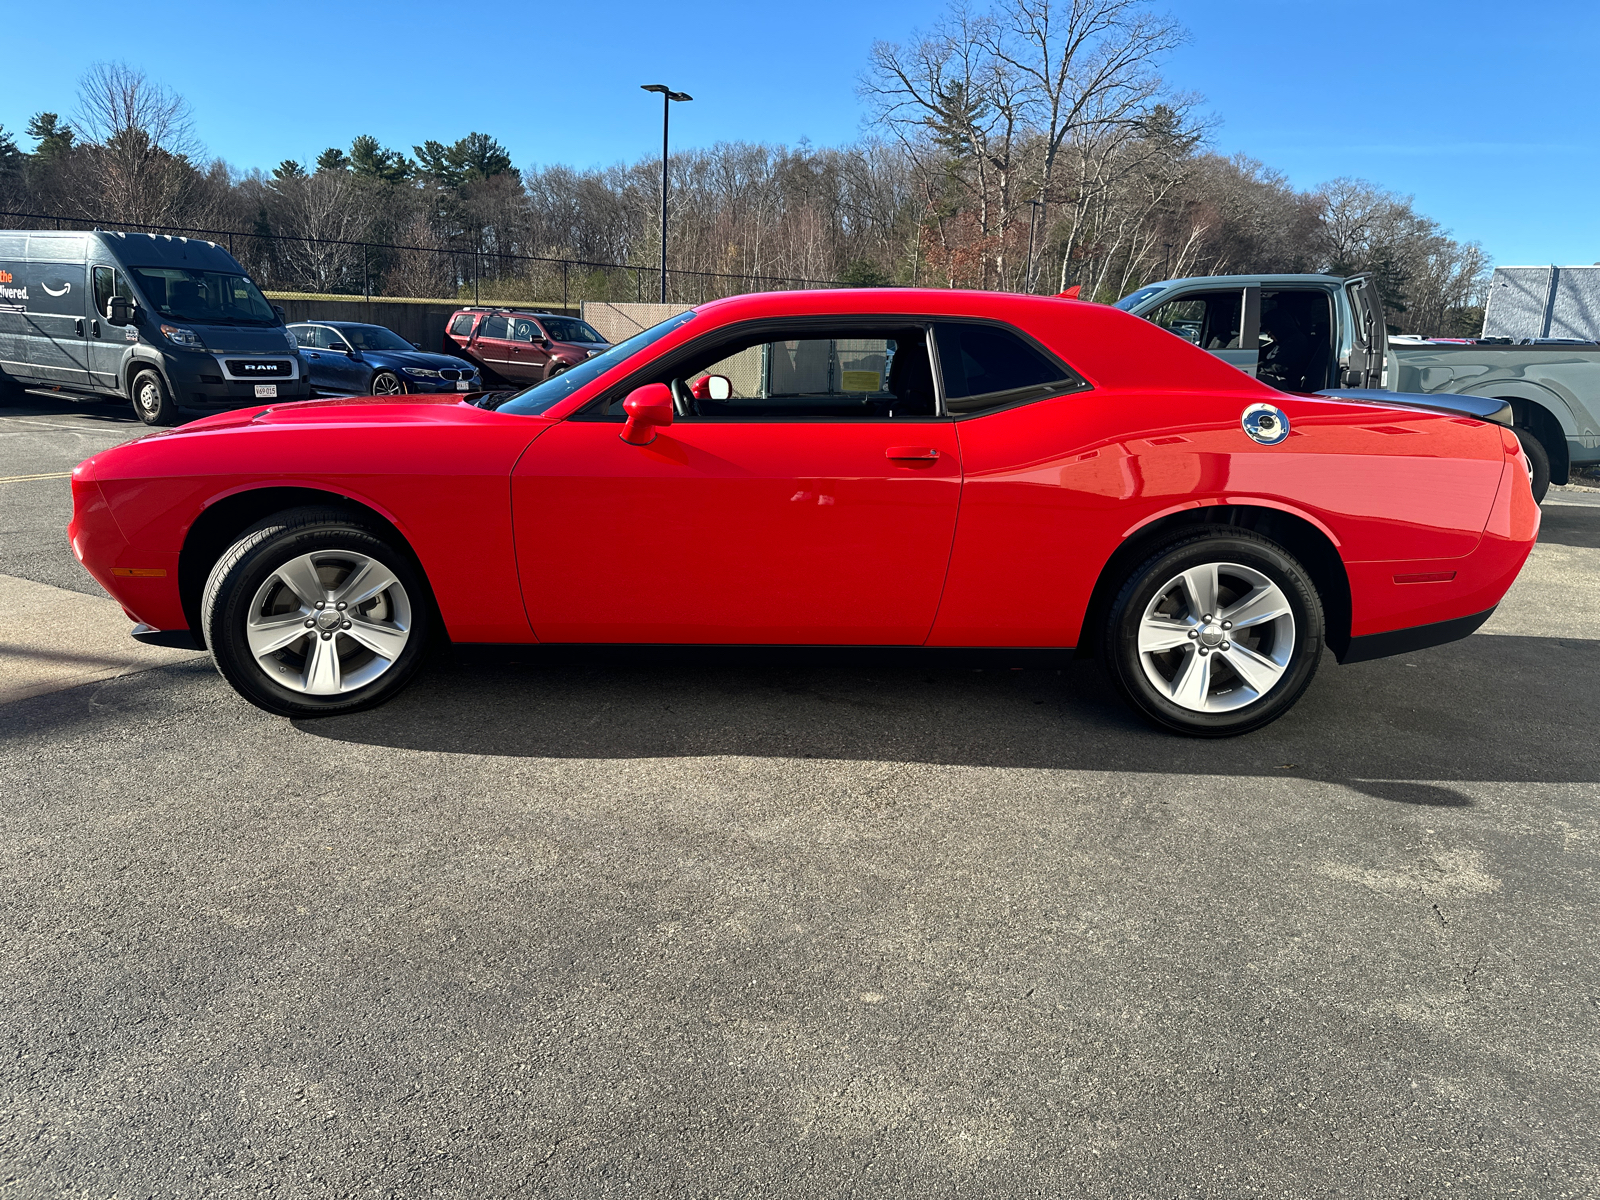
139,143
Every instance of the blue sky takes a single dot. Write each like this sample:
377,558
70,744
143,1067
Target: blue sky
1483,112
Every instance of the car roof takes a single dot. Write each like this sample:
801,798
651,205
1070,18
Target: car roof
1242,280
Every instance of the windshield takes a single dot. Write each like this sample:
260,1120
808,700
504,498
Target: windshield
1129,302
569,329
557,388
373,337
205,297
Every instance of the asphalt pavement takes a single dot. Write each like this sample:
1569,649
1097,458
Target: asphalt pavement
614,926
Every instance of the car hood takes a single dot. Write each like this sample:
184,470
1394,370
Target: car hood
242,339
423,359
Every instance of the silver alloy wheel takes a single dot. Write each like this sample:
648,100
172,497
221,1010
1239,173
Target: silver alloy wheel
386,383
1216,637
149,395
328,622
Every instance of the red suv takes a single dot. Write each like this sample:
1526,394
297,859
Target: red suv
520,347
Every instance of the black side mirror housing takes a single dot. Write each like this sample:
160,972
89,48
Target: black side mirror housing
119,311
278,309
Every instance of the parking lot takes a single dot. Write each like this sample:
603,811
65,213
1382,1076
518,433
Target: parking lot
787,928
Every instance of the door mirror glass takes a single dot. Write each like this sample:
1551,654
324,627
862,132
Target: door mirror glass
712,387
648,408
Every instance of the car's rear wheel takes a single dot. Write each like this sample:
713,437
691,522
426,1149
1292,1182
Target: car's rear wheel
312,614
152,401
1538,459
387,383
1215,635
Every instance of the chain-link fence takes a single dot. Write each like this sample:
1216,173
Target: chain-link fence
459,270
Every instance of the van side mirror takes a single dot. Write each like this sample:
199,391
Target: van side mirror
278,309
648,408
119,311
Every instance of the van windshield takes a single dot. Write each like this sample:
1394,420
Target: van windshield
204,297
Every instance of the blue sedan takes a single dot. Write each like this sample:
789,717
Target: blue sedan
344,358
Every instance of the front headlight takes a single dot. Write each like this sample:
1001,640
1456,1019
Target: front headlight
294,346
187,338
420,373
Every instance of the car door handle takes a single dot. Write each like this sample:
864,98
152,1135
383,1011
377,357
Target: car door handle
77,327
923,453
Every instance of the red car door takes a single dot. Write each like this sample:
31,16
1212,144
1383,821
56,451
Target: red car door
800,516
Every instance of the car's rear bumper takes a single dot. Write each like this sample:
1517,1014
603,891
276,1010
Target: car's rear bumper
1402,605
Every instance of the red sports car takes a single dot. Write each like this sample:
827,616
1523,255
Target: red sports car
929,469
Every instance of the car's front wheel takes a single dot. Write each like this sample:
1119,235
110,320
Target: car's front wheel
152,401
387,383
310,614
1216,635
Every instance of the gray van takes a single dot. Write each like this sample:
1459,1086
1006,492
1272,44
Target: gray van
166,322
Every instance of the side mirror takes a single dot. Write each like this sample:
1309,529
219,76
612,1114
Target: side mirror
712,387
278,309
648,408
119,311
418,345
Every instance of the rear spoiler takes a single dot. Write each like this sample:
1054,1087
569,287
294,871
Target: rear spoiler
1482,408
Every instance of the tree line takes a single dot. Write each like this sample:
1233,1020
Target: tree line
1029,146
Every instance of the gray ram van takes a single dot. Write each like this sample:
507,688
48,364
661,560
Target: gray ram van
166,322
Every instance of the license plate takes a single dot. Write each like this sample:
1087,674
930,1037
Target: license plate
266,391
462,387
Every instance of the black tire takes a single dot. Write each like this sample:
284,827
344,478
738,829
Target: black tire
387,383
560,369
248,572
1240,552
1538,459
152,402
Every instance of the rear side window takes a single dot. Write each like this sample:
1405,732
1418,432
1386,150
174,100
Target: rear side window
462,325
493,327
986,367
304,335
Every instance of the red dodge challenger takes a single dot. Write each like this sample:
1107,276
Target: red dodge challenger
928,469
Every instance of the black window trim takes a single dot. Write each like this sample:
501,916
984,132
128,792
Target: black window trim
1075,382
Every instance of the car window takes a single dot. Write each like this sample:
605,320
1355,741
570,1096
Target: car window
329,339
570,329
871,372
542,396
462,325
986,366
493,326
305,335
524,330
1210,320
205,296
375,337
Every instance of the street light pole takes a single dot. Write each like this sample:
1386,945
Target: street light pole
667,97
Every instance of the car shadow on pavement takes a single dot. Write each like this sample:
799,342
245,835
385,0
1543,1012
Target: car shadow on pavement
1569,525
1400,729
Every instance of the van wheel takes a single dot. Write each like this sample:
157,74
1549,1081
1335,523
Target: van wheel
152,401
1216,635
1538,459
310,614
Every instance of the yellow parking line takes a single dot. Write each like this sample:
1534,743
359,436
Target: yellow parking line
26,478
